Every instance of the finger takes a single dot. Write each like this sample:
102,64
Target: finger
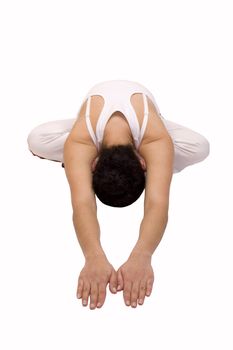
101,294
86,291
142,292
120,281
113,282
80,288
94,295
149,286
127,292
134,294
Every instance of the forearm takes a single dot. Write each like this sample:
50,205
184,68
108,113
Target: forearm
151,229
87,230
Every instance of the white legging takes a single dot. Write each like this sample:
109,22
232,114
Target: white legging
47,141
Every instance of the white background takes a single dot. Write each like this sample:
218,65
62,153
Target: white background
52,52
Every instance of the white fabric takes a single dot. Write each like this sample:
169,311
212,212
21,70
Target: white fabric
116,95
47,140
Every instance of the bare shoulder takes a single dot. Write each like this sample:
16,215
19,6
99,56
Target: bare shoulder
155,128
159,158
78,158
79,131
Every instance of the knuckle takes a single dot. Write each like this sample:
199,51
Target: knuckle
94,293
102,292
126,293
102,296
103,280
142,294
134,291
134,295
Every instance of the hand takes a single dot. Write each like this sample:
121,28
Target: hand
93,279
136,278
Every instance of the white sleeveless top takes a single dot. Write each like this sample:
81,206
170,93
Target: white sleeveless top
117,94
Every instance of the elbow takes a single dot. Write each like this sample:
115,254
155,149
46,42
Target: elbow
158,208
80,205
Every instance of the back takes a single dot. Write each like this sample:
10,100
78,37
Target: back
119,97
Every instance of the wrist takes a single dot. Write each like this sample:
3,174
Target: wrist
97,254
140,252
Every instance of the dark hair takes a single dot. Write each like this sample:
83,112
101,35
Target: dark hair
118,179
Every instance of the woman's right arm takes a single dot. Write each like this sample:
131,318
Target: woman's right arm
78,158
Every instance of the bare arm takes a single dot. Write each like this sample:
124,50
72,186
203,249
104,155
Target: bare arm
87,230
151,231
97,271
77,159
136,276
159,157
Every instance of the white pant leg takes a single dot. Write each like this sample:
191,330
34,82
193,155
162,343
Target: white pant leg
190,147
47,139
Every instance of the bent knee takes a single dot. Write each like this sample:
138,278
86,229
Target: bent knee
202,147
47,139
49,136
191,151
33,139
38,140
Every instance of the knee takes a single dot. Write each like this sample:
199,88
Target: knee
202,147
193,150
34,139
39,138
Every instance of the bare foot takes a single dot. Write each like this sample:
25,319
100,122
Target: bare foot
136,278
93,279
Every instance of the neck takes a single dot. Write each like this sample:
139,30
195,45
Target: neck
120,136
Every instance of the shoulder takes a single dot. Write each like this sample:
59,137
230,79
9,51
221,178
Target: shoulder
78,160
79,131
158,151
155,129
159,158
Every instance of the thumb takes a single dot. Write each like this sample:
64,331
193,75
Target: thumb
120,282
113,282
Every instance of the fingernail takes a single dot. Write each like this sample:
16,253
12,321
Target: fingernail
140,301
92,305
127,302
134,304
114,289
99,304
84,302
118,287
79,296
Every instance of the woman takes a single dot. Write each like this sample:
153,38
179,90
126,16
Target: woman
119,137
112,110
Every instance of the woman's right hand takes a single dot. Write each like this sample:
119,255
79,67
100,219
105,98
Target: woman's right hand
93,279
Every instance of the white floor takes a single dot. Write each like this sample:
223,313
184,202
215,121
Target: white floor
52,53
